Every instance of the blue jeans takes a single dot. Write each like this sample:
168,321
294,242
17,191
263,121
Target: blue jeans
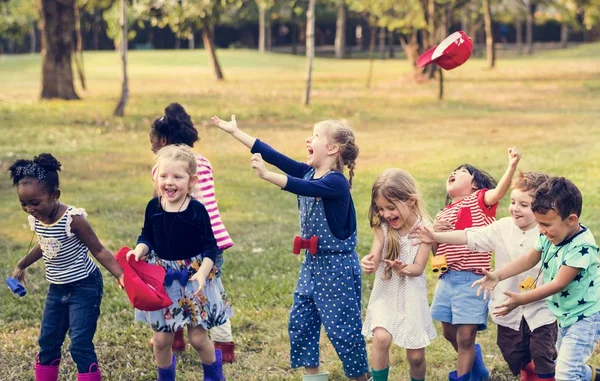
73,307
575,347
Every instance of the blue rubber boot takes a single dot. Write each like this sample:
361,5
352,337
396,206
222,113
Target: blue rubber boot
167,374
480,372
465,377
214,371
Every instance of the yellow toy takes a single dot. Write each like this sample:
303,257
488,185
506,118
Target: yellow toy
439,264
527,284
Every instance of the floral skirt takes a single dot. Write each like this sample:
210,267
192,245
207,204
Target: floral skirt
211,309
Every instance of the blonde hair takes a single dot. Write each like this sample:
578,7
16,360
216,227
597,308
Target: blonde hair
395,185
177,152
530,181
342,135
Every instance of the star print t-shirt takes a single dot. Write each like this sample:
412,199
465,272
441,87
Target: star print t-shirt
581,297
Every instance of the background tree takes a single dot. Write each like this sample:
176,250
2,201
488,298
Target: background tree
18,18
57,26
310,48
120,109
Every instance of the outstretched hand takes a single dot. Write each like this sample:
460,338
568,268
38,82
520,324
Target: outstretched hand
487,283
398,266
258,164
513,157
421,234
226,126
368,264
513,301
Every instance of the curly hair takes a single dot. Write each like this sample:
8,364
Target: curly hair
43,169
560,195
176,126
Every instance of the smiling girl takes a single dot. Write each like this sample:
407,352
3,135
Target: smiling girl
177,235
328,291
398,311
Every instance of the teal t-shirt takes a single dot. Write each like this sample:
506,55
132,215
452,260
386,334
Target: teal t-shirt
581,297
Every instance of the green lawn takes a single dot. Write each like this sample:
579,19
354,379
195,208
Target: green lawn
547,105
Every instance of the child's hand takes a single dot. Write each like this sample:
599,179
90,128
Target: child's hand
367,264
136,254
398,266
19,274
513,301
258,164
513,157
422,234
198,277
229,127
442,226
487,283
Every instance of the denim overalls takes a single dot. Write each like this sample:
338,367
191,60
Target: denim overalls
328,292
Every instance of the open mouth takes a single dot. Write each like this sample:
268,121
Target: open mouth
393,220
451,179
170,192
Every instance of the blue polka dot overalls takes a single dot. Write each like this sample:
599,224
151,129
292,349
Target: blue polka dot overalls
328,292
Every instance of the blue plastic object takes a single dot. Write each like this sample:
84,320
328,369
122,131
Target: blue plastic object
16,286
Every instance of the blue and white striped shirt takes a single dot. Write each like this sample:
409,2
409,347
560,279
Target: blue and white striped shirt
65,255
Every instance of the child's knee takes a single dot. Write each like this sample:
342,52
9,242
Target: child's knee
466,335
381,337
416,358
198,338
162,340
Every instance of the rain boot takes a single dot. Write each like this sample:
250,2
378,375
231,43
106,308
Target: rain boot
94,374
214,371
316,377
227,350
381,374
167,374
479,371
528,373
465,377
46,372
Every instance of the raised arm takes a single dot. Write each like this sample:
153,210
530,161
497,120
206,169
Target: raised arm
493,196
232,128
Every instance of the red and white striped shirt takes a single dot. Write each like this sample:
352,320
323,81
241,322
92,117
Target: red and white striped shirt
471,211
204,191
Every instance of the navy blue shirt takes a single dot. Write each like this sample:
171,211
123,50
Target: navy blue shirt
333,189
178,235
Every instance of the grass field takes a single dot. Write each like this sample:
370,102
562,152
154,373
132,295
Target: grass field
548,105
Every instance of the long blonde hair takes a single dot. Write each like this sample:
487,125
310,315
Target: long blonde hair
177,152
342,135
395,185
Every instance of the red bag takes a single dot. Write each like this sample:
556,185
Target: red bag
143,283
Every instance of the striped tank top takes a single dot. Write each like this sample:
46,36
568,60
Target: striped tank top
65,255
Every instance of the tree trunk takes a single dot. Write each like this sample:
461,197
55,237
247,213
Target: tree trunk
96,28
489,34
268,32
529,29
177,43
310,48
32,40
261,28
294,33
519,31
191,41
440,84
564,35
391,52
382,34
57,24
372,36
210,50
79,49
120,109
431,22
340,30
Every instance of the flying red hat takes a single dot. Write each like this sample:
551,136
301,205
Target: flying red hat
450,53
143,283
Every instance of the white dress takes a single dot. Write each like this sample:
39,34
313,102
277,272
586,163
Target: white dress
399,304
